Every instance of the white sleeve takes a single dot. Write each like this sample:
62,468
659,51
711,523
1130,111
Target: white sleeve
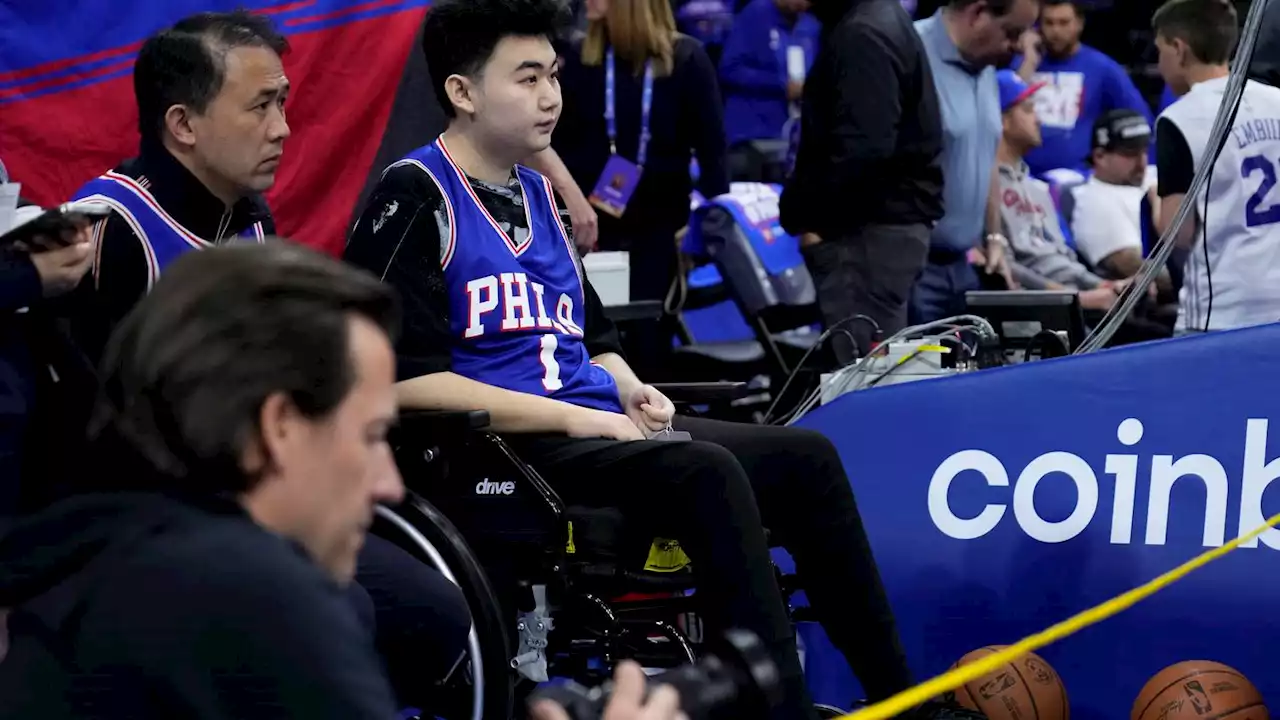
1102,224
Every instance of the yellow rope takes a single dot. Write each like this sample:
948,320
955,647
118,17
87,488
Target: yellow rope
953,679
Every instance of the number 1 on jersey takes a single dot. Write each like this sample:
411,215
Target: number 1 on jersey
550,368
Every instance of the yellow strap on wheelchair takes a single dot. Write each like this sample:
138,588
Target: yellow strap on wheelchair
666,556
953,679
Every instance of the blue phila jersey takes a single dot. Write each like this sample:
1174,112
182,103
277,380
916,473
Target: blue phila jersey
516,309
163,238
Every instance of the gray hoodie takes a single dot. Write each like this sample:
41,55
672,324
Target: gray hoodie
1030,221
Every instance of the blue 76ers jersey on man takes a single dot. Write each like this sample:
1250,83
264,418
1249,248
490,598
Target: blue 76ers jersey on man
516,311
163,238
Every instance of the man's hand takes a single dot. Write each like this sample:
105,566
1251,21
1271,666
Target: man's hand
1029,47
1121,285
61,267
997,262
586,225
650,410
1099,298
588,423
627,701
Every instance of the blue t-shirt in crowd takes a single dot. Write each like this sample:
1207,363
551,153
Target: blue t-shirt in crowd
1078,90
753,69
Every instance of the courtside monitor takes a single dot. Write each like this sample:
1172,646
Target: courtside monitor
1024,318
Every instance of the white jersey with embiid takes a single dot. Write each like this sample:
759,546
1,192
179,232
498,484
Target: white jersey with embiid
1238,213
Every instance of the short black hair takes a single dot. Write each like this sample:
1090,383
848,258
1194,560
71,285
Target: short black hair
187,63
458,36
998,7
1075,5
1210,28
184,376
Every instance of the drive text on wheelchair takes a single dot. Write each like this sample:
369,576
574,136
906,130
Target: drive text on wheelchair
961,470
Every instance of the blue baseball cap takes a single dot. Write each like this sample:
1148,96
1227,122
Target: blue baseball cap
1014,89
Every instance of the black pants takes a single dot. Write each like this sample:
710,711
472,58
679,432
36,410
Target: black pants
420,620
715,495
869,272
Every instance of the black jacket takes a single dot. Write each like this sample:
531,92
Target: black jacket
871,129
120,273
45,384
20,290
138,605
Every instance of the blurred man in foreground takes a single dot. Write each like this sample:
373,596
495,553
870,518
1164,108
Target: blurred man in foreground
243,414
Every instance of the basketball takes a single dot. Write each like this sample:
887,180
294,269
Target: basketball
1027,688
1199,688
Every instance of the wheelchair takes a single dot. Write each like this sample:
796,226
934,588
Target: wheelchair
555,591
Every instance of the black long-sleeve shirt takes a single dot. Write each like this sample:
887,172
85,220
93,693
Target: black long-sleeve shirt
871,129
120,276
687,121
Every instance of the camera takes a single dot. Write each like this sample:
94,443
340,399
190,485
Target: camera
736,681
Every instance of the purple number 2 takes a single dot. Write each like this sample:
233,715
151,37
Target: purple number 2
1254,214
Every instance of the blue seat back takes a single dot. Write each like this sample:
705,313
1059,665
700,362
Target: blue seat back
719,322
761,262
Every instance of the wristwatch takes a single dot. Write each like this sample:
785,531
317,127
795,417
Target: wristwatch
998,239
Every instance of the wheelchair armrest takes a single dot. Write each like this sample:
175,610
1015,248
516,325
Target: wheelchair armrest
434,423
697,393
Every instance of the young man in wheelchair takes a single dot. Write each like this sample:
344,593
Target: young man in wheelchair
500,318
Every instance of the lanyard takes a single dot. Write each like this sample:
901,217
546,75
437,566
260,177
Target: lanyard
646,104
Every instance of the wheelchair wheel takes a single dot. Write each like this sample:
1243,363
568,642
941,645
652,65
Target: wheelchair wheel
483,681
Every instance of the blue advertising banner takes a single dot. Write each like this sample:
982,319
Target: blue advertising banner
1001,502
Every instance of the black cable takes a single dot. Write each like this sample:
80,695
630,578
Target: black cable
876,335
826,334
1204,235
1053,339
